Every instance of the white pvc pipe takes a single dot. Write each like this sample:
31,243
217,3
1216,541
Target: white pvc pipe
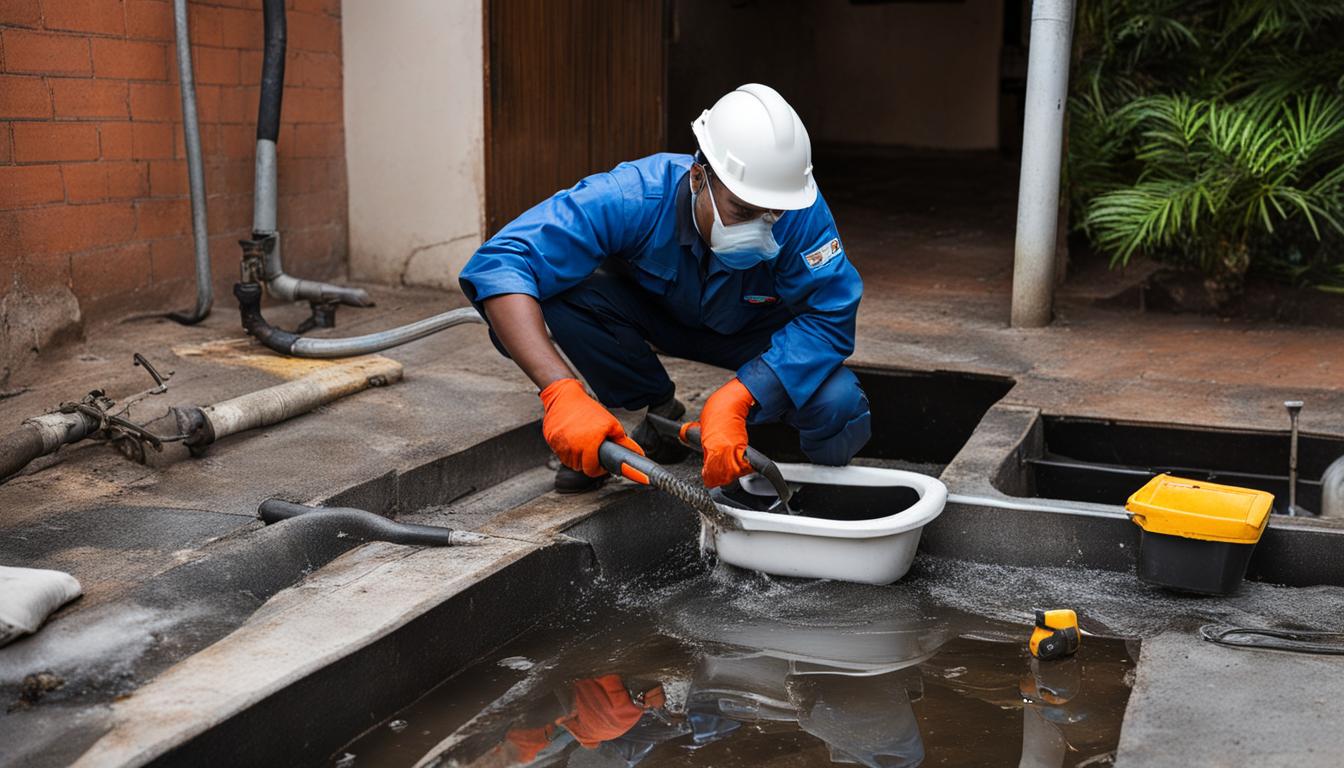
1028,506
1042,146
292,398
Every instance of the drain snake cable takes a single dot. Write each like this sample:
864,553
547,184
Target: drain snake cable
1263,638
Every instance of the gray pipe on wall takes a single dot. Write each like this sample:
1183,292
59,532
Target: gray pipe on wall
191,131
1042,147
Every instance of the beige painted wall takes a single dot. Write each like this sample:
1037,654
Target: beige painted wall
913,74
414,114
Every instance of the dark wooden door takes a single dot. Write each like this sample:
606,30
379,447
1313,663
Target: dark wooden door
573,87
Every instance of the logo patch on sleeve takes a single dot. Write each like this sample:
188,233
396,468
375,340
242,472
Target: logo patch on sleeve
752,298
824,254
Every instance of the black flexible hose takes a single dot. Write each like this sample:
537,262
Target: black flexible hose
366,525
272,70
1295,640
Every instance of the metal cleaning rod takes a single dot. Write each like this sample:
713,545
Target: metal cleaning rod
1294,408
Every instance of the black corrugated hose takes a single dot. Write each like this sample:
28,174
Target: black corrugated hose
272,70
366,525
1264,638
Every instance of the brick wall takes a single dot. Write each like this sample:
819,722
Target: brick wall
94,211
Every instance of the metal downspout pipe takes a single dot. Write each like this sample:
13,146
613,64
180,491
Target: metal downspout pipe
265,233
1042,147
191,131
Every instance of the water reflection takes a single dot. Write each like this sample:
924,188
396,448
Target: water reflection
833,667
865,720
807,675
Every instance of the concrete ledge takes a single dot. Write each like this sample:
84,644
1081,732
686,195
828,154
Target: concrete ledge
1199,704
407,618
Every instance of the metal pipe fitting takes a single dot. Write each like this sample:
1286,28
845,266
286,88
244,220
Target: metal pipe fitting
290,288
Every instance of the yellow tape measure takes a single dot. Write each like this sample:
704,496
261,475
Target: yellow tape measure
1056,634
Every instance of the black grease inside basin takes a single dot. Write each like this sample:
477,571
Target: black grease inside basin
830,502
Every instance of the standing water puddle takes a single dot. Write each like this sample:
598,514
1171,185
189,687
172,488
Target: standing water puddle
736,669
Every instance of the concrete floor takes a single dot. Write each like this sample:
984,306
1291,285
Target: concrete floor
936,298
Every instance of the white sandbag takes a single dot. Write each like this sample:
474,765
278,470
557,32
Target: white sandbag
28,596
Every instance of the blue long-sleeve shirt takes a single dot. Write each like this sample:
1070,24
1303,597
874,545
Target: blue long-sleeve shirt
639,215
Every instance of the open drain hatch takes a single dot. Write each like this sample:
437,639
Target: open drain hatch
1105,461
920,419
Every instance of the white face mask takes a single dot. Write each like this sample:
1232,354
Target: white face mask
742,245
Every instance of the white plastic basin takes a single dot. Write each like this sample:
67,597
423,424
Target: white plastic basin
872,551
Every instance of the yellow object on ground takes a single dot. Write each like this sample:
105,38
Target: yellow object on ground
1056,634
251,354
1195,509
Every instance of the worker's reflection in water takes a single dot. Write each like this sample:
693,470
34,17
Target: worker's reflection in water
743,677
608,721
616,721
863,718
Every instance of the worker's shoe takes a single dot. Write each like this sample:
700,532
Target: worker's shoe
664,449
573,481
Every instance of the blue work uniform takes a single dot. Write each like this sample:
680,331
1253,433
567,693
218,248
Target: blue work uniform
617,265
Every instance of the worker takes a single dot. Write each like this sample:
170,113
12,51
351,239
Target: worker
729,257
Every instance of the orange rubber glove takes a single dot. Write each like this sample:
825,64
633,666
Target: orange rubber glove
575,427
723,434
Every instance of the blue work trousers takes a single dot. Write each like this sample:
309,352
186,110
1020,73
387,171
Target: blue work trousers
606,325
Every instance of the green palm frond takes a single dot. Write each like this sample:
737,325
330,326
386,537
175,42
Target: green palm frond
1202,131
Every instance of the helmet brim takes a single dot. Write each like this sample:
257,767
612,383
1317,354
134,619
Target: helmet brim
770,199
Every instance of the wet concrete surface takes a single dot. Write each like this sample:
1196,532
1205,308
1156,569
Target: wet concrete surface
780,672
1293,697
936,275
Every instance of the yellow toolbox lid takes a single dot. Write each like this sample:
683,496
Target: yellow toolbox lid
1199,510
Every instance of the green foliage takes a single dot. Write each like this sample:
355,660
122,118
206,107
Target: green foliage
1210,134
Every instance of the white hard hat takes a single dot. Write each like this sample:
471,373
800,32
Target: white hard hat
758,148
